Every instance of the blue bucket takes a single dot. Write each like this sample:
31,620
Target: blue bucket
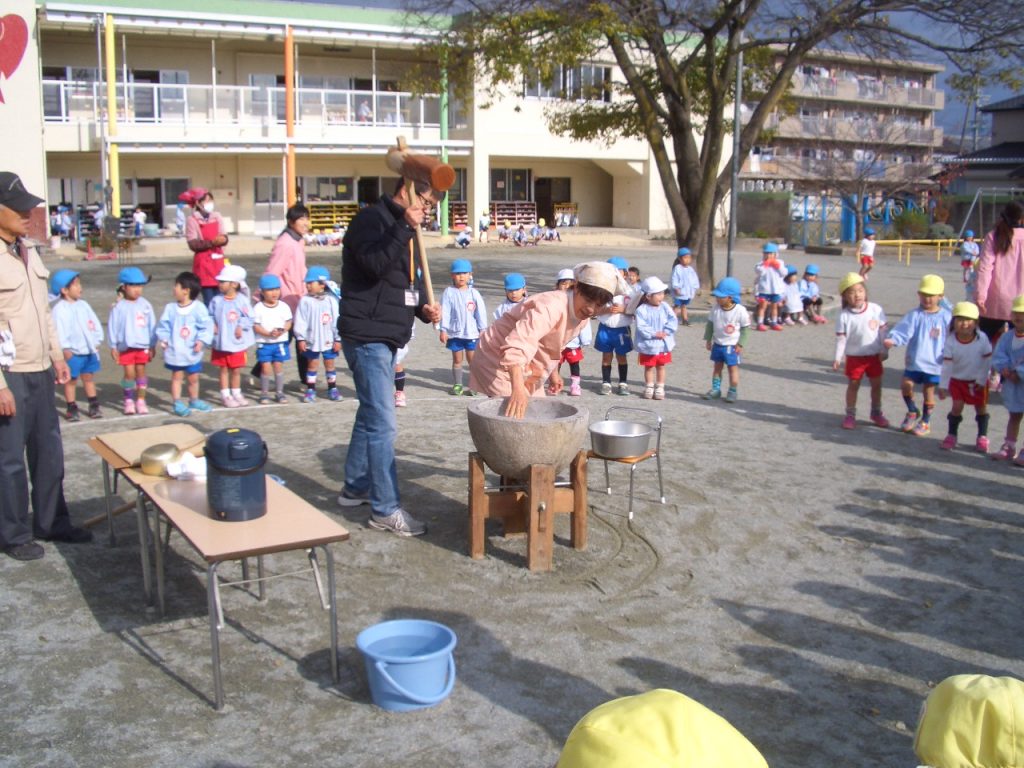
409,663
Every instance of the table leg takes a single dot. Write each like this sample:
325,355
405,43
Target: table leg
143,525
314,566
259,578
334,612
213,605
108,494
158,550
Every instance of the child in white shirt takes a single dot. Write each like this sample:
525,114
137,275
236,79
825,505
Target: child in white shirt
656,326
463,317
316,329
573,351
769,287
860,332
725,335
272,319
966,359
866,252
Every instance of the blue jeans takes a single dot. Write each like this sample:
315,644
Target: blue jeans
370,464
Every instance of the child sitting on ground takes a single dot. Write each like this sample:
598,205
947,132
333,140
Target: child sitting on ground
656,326
231,311
923,332
80,334
131,327
793,303
316,329
810,294
966,359
463,317
725,335
860,331
685,285
185,330
272,319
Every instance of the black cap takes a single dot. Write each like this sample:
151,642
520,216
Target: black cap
14,195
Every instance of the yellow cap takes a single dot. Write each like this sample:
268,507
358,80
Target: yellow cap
507,223
966,309
972,720
1018,304
932,285
849,280
541,223
657,729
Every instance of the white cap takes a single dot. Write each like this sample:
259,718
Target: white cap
232,273
564,274
652,284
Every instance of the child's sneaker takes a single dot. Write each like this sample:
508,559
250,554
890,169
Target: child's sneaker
909,422
575,390
922,428
948,443
801,319
762,327
820,319
333,394
879,420
129,407
200,405
140,407
606,388
181,408
468,392
264,400
649,392
712,394
849,421
623,389
281,398
400,401
228,401
995,382
94,411
981,444
731,396
455,390
776,326
310,396
1006,452
71,414
659,393
788,321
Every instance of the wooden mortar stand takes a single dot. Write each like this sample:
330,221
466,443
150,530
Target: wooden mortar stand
529,507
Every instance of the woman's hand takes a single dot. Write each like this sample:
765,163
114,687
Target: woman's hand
517,402
555,383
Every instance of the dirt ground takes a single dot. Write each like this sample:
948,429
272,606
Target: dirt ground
807,583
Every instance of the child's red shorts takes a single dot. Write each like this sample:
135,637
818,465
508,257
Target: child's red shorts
970,392
652,361
859,366
133,357
228,359
571,355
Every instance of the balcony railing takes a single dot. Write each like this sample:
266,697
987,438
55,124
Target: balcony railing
145,103
865,89
828,129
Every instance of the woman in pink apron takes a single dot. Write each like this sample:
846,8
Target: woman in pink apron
204,232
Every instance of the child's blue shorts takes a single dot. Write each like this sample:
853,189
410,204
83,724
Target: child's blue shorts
920,377
771,298
676,301
720,353
460,345
189,369
273,353
327,354
80,364
615,340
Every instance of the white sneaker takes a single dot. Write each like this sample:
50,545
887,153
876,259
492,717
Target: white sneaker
399,522
623,388
606,388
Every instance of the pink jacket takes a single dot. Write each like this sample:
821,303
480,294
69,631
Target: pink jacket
288,262
1000,276
532,334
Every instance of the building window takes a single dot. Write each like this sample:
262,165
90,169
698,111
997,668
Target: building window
457,192
510,184
268,189
329,188
586,82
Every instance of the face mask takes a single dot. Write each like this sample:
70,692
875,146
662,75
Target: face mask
208,207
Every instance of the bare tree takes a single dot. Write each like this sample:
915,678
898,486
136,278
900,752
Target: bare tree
678,60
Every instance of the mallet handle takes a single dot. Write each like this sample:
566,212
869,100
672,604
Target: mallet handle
428,287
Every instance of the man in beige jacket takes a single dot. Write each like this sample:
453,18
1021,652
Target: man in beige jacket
30,361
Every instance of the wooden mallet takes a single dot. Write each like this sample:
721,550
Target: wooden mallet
425,170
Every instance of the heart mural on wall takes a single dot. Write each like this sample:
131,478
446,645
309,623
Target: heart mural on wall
13,41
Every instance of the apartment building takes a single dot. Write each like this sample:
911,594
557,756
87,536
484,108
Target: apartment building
850,118
150,97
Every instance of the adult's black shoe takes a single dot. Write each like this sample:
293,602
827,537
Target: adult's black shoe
27,551
71,535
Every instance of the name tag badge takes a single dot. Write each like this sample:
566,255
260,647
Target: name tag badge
412,298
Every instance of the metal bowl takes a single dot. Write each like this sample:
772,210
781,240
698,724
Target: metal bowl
620,439
155,459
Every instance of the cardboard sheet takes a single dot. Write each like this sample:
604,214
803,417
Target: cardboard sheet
130,444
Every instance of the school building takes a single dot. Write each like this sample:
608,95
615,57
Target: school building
134,101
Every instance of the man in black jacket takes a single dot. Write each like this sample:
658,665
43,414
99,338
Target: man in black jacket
381,297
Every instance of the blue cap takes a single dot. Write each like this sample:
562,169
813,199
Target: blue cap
728,287
618,262
969,233
269,282
514,281
868,231
791,270
61,279
812,269
770,248
317,274
461,265
131,276
683,252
